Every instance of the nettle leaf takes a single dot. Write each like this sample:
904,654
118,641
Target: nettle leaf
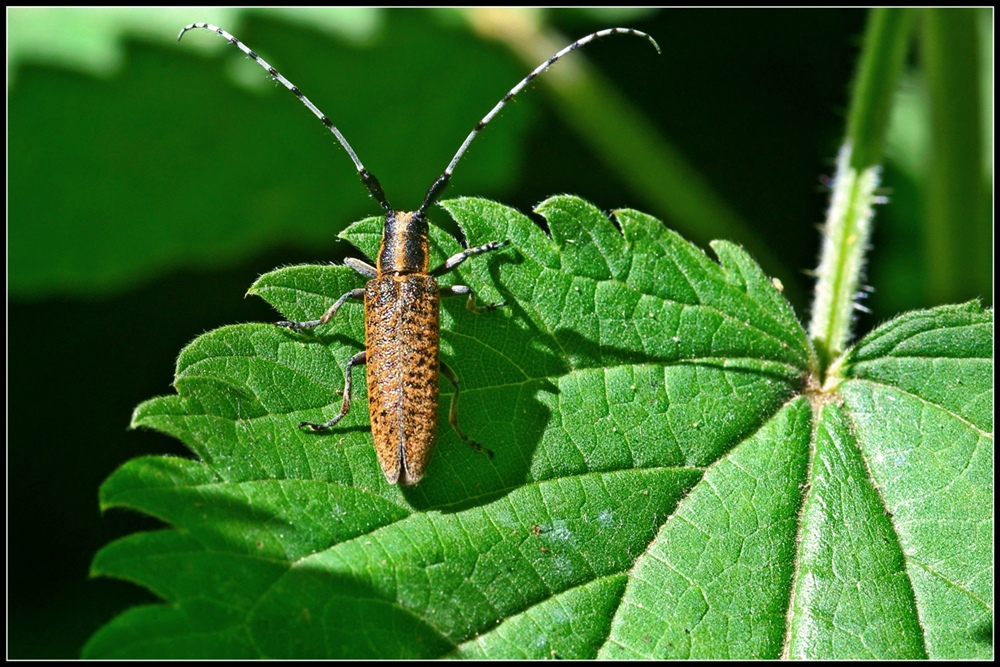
669,479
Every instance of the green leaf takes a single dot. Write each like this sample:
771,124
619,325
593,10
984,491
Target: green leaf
669,479
918,396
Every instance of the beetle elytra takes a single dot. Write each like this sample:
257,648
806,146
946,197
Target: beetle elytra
401,302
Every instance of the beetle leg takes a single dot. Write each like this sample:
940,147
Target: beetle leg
358,359
470,304
455,260
358,294
453,412
362,267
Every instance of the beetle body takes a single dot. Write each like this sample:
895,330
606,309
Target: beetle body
401,345
401,302
401,342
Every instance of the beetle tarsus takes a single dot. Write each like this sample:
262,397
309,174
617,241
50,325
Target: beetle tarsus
298,326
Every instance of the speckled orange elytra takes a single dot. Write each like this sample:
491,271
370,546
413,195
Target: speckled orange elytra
401,304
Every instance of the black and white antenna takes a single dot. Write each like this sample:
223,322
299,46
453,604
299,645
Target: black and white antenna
441,182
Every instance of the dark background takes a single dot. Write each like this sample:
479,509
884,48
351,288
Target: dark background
146,195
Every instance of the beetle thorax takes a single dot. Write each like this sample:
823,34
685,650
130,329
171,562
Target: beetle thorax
404,244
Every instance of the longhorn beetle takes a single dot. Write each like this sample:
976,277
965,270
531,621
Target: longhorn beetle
401,303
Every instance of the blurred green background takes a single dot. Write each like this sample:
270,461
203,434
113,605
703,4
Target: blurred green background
151,182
